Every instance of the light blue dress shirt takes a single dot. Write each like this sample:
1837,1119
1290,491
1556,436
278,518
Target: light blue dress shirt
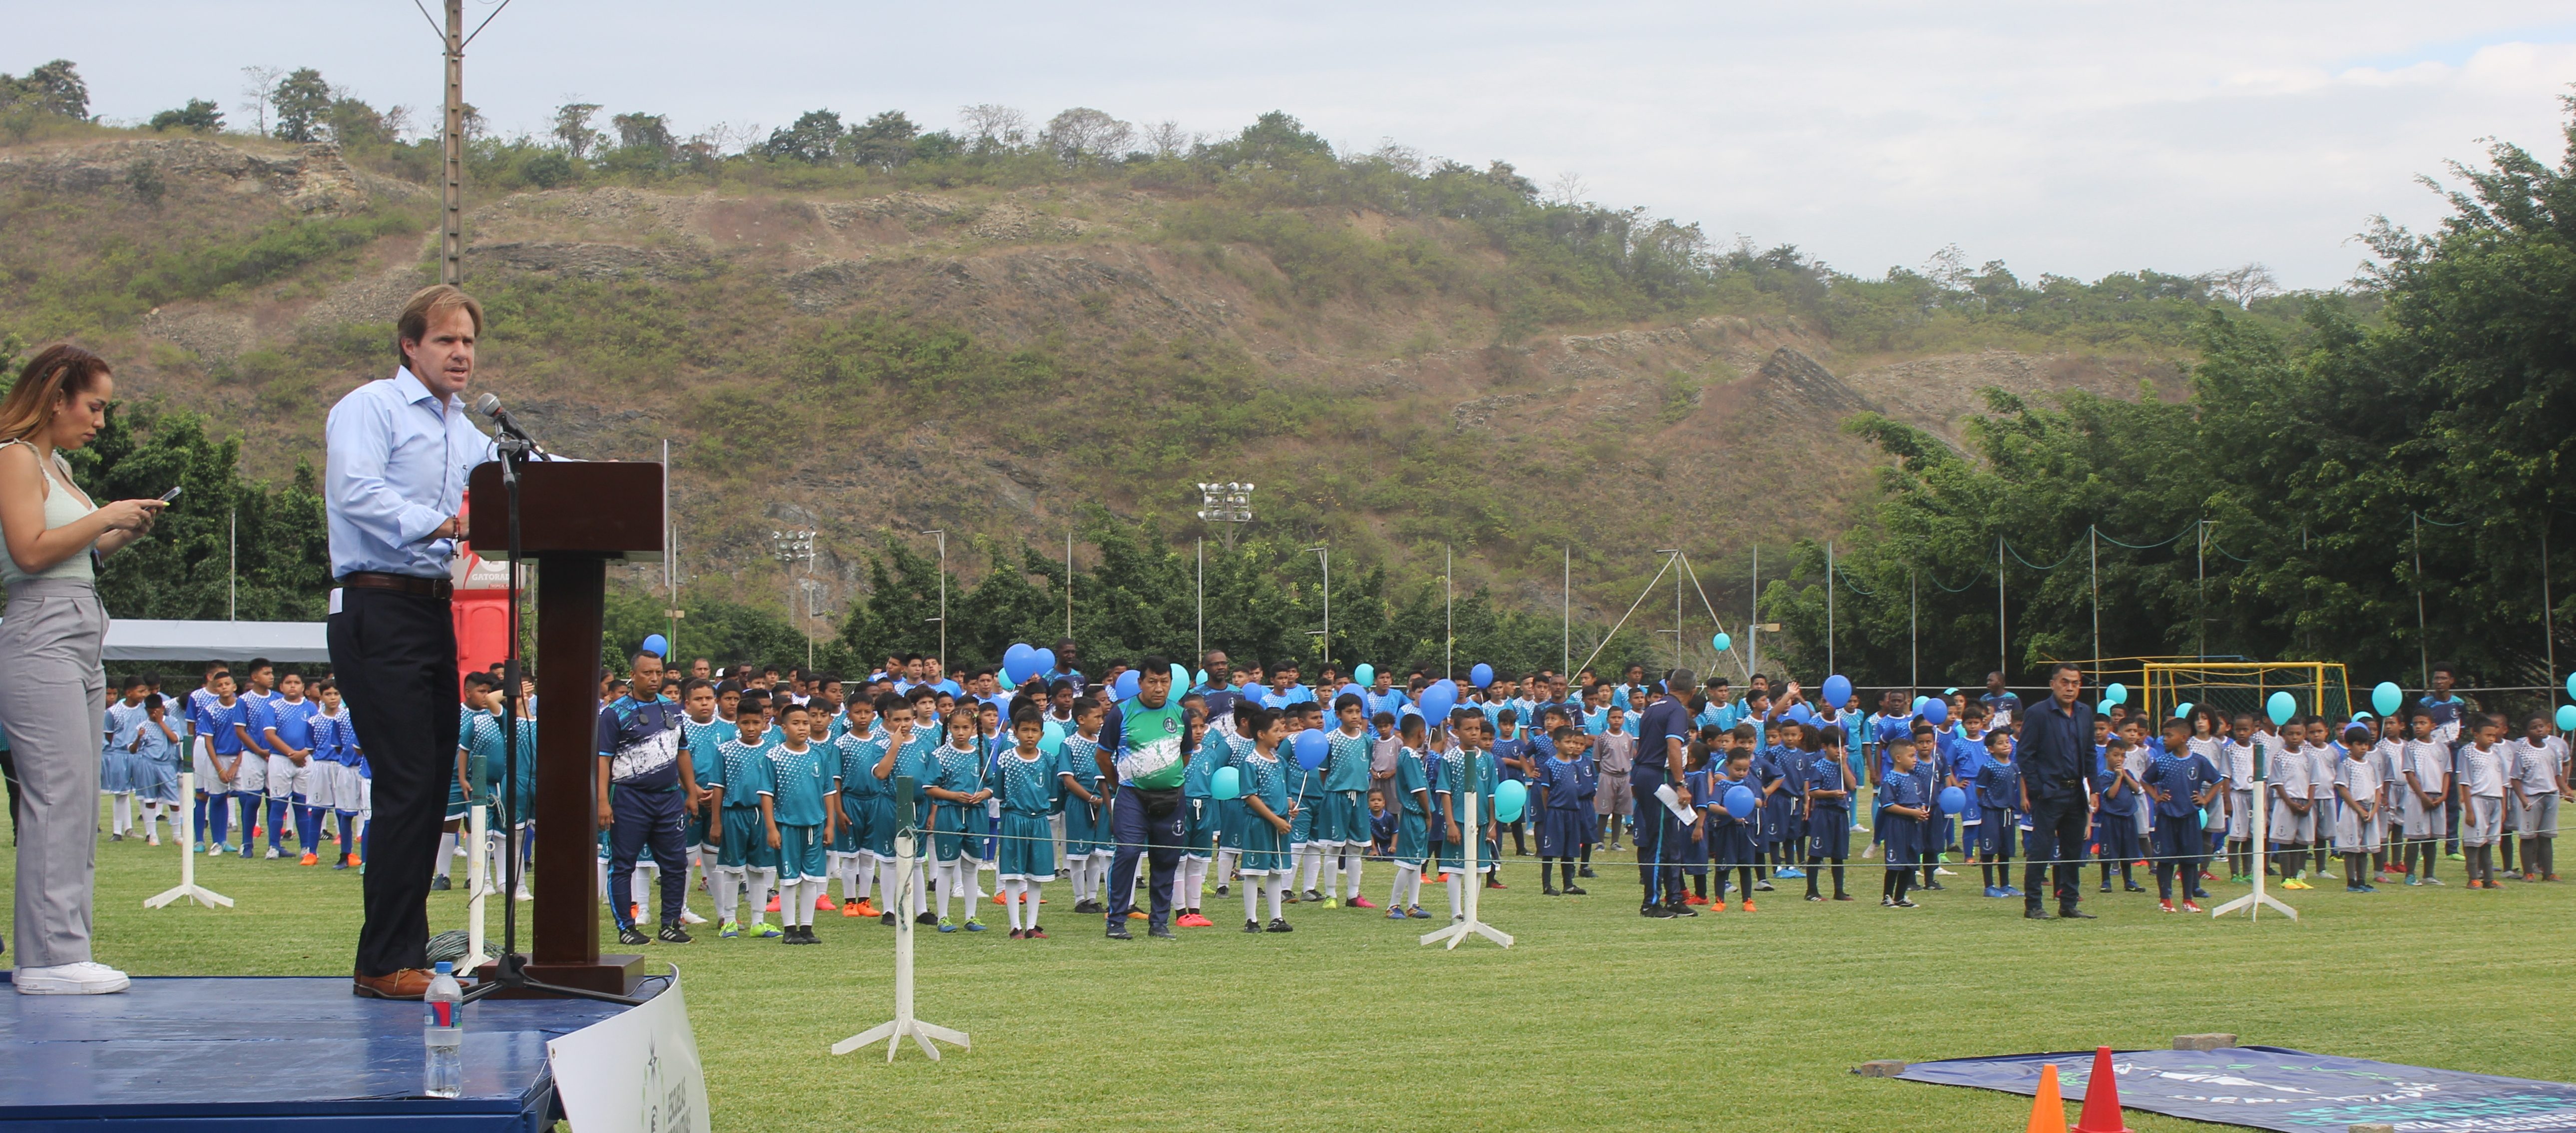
395,461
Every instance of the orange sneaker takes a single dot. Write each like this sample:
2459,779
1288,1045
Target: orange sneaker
1136,914
772,907
1193,920
997,898
354,862
851,910
822,904
1748,905
1696,899
863,909
310,858
1719,907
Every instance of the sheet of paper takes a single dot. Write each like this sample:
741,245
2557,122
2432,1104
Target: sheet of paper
1672,801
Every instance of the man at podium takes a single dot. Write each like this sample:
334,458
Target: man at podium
397,452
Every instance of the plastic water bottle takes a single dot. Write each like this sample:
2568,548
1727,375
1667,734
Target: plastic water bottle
443,1034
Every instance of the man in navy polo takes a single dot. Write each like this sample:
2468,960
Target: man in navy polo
1663,737
2056,761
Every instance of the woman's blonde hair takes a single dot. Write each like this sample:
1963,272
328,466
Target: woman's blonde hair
56,372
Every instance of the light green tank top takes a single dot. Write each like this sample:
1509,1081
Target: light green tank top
64,504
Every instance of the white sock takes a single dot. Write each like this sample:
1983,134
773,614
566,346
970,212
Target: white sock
604,894
970,882
645,881
1193,876
1404,874
1226,856
446,852
1332,869
123,810
885,880
1351,858
814,890
1252,897
946,872
1457,894
1279,894
727,884
762,881
151,820
1313,864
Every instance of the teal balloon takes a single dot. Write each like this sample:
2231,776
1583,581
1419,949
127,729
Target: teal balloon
2571,684
2387,698
1052,742
2181,710
2117,694
1722,642
1202,681
1365,674
1509,800
1227,783
2102,708
2281,707
2567,717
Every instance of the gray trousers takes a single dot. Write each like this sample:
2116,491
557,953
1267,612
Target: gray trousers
53,697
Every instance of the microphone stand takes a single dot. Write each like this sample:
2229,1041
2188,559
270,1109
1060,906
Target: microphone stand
510,969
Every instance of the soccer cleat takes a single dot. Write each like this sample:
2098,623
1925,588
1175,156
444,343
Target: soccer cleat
1791,873
946,925
153,840
1696,899
1495,881
1015,934
1762,887
1161,932
972,925
1332,902
1813,897
1360,903
273,854
2190,906
1684,911
672,933
1035,933
1574,891
1194,920
1414,912
772,906
861,908
1993,891
1222,889
2164,906
309,858
350,862
438,884
1279,924
886,918
851,909
1658,912
822,904
1842,896
1547,891
688,916
1395,914
2455,856
998,899
1585,872
1118,931
1907,905
729,930
765,929
1887,902
631,935
1715,906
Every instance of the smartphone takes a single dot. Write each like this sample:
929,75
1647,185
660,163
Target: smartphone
170,495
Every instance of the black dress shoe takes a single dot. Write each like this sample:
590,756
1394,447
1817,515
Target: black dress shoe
1118,931
2072,913
2036,913
1161,932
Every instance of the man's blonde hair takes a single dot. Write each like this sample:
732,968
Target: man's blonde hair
427,305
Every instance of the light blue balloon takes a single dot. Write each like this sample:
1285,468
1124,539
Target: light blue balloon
1227,783
2117,694
1126,686
1510,799
1052,742
658,645
1482,676
2387,698
2182,710
2567,717
1722,642
1202,681
1365,674
2281,707
2102,708
1838,690
1353,689
1741,802
2571,684
1180,680
1045,659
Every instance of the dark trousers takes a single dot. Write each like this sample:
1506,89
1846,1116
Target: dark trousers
1160,840
1658,858
646,818
394,655
2056,840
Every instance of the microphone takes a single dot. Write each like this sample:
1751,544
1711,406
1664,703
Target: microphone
489,408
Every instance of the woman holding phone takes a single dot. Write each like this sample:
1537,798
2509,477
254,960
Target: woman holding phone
52,691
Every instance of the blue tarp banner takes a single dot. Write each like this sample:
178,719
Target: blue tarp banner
2289,1090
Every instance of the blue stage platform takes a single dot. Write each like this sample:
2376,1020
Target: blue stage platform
246,1054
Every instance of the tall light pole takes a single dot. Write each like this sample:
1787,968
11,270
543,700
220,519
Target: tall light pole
789,548
1327,632
1676,631
1448,614
942,619
1228,503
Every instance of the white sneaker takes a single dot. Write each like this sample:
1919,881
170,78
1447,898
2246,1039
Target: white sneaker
272,853
1943,871
690,916
84,978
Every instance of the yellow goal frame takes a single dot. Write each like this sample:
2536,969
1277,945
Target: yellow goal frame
2322,687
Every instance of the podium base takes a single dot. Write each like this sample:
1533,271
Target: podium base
616,973
191,892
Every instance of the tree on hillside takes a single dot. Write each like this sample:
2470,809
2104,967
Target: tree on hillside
354,124
573,128
259,84
815,139
882,142
645,133
302,101
1271,139
991,125
55,88
198,116
1081,134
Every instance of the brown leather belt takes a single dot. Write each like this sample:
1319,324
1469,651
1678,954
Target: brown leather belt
438,588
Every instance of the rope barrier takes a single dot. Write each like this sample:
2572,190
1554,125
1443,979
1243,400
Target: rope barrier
2016,554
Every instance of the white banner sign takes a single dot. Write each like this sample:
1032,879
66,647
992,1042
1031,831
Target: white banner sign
635,1072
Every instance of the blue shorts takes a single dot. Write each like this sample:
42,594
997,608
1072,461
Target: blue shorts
1993,833
1829,833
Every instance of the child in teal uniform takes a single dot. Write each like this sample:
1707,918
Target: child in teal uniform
799,811
1025,858
867,807
910,742
1206,751
1267,864
1088,841
1412,788
701,729
958,792
1467,772
744,855
1344,829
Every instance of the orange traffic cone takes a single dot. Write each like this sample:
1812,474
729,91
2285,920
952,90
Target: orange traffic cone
2048,1110
2101,1098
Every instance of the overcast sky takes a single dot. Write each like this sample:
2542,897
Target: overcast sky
2075,138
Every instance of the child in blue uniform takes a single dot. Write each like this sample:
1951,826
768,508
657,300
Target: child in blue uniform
1412,808
1902,814
1998,805
1267,864
1026,856
1934,832
2181,782
1696,851
744,855
1731,841
799,811
1467,772
2115,823
1830,786
1512,762
155,746
1565,807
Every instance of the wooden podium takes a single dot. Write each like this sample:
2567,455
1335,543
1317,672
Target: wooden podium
574,516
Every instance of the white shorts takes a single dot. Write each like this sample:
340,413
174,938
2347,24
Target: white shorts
2240,817
285,778
331,785
2422,821
2290,828
2483,822
2540,818
250,775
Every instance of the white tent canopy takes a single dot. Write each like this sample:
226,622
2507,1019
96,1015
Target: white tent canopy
145,639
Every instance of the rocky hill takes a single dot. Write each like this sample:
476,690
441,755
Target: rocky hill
993,361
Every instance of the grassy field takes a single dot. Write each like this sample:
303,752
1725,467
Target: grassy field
1598,1018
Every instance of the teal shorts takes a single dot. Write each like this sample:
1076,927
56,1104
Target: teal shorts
746,840
1205,818
948,834
800,852
1345,820
1027,847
